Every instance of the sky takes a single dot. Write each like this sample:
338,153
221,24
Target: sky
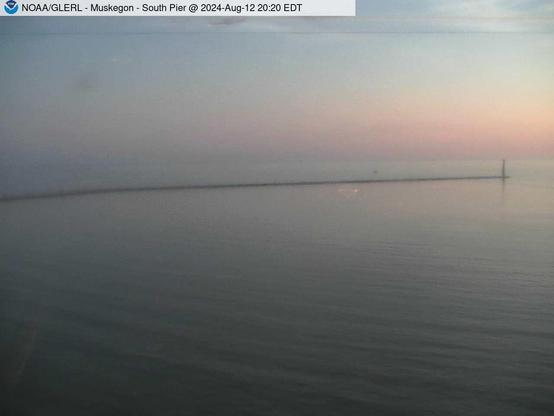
405,80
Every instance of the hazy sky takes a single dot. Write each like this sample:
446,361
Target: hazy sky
407,80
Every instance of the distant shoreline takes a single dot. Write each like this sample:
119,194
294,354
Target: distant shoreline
93,191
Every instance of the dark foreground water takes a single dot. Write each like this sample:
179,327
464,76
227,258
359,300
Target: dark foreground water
377,299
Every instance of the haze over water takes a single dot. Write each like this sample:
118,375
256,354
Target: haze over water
428,298
404,298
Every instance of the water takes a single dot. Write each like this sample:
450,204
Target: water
399,298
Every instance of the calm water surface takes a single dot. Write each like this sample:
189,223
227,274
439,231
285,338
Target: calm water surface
385,299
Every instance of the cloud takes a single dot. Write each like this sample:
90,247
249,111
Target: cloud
228,21
86,82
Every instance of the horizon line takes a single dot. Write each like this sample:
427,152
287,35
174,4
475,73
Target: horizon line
127,189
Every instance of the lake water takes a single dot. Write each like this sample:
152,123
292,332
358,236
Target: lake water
384,298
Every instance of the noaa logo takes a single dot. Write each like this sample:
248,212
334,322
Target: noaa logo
11,7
